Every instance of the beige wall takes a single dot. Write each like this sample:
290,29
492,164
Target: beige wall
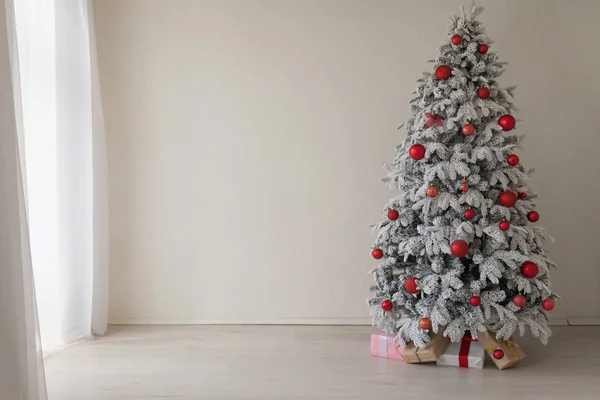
246,140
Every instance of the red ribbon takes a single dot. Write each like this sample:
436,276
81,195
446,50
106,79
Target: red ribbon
433,119
465,346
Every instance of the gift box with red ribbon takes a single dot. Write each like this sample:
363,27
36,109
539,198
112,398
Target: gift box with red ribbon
467,354
504,353
382,345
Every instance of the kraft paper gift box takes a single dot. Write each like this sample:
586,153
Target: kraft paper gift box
430,353
512,351
382,346
467,354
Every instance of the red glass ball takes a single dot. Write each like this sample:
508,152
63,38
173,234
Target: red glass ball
507,122
548,304
425,323
411,285
533,216
443,72
393,215
519,300
468,129
432,191
483,93
498,354
522,195
417,151
377,254
504,225
507,198
459,248
475,301
483,48
469,214
387,305
456,40
513,160
529,270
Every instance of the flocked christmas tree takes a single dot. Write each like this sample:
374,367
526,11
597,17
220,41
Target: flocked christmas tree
459,247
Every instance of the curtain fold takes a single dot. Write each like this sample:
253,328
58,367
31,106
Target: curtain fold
54,196
21,364
66,174
100,185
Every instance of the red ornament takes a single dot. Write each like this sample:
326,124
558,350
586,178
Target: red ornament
411,285
507,198
483,48
469,214
464,186
498,354
519,300
548,304
425,323
387,305
377,253
513,160
393,215
468,129
522,195
507,122
443,72
483,93
432,191
417,151
456,40
533,216
459,248
433,119
529,270
475,301
504,225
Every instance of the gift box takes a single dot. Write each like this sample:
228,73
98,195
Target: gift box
467,354
511,353
382,345
430,353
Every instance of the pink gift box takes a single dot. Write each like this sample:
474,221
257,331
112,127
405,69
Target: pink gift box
382,346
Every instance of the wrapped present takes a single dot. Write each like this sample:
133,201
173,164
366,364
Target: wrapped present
382,345
504,353
467,354
430,353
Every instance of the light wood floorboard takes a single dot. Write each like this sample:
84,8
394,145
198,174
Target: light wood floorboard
305,362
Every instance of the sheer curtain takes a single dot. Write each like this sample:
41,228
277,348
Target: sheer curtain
53,197
21,365
66,174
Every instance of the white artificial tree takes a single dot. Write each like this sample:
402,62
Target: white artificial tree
459,248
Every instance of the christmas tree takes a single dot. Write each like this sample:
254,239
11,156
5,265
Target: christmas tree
459,248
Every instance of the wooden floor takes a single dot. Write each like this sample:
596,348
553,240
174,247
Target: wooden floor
305,362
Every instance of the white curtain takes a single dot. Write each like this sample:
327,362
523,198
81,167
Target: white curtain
66,172
53,188
21,365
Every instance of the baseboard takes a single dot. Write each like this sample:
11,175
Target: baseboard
558,322
584,321
275,321
297,321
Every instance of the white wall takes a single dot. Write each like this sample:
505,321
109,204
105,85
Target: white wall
246,140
